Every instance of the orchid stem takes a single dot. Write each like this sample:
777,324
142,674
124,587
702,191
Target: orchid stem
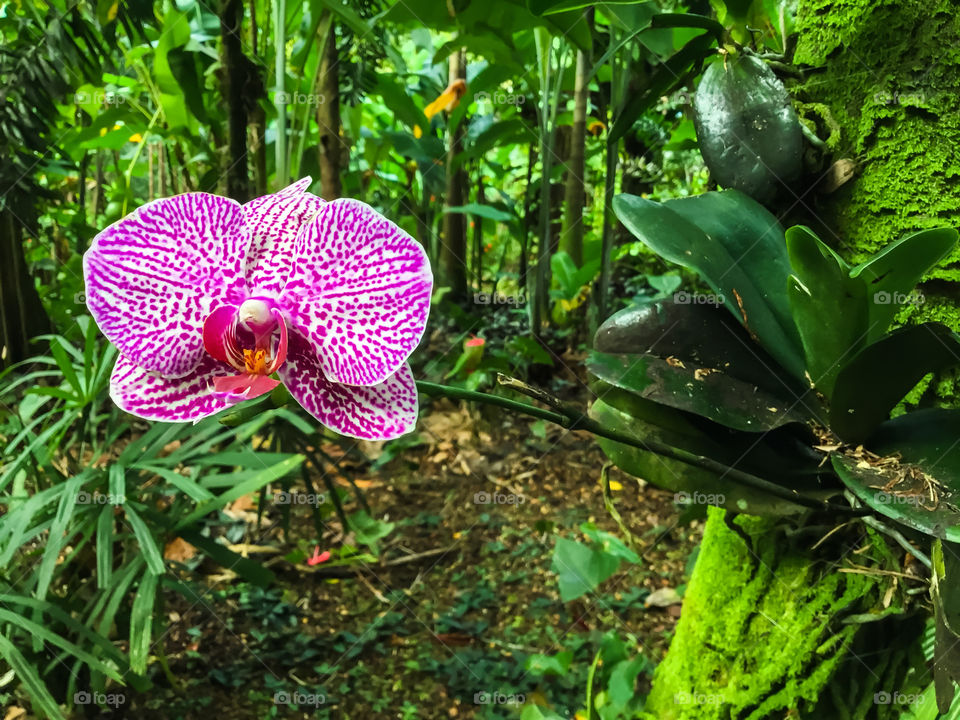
573,419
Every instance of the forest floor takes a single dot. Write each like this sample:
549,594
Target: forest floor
460,595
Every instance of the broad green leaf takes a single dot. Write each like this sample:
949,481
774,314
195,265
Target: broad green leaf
704,391
623,681
484,211
927,438
737,255
609,543
892,274
829,307
580,568
871,384
141,622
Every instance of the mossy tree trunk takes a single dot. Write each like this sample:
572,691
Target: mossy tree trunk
761,633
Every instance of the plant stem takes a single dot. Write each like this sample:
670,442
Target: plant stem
573,419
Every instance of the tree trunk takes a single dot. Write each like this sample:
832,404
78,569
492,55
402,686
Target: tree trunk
900,120
22,316
571,237
454,252
331,146
884,92
235,72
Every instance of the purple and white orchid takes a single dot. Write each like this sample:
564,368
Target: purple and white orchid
206,298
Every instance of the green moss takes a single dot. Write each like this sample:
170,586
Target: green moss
888,72
758,635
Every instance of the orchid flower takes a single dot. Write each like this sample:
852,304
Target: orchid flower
206,299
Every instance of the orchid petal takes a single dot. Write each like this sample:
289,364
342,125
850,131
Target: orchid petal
359,291
273,222
377,412
149,395
153,277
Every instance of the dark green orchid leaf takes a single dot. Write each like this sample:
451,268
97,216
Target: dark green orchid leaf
756,235
921,500
928,438
945,590
829,307
705,335
779,455
697,389
876,379
892,274
736,254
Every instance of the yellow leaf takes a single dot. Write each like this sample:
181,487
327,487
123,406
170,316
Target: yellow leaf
112,12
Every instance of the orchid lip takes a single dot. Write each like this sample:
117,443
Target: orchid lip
221,340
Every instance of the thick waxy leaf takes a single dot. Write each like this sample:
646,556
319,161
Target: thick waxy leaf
705,335
701,390
892,274
738,250
359,292
829,307
925,501
872,383
927,438
646,420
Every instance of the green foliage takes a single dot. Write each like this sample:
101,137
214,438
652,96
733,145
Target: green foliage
582,568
